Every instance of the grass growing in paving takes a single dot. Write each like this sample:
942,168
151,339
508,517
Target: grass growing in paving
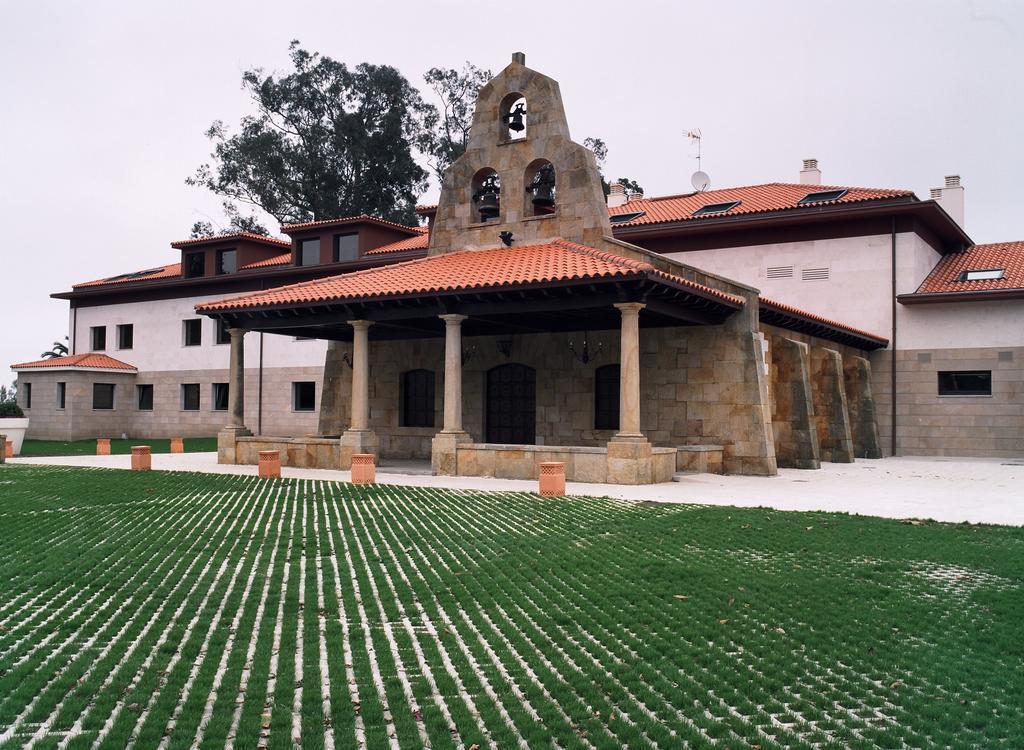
117,446
180,610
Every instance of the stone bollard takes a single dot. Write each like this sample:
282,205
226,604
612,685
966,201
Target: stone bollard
7,450
552,479
270,465
102,446
177,445
142,458
363,469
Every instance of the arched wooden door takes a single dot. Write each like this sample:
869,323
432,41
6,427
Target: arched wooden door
511,404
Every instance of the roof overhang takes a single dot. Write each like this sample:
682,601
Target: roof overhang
783,316
982,295
76,368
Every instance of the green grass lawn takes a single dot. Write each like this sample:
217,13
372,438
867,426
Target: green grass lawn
225,611
117,446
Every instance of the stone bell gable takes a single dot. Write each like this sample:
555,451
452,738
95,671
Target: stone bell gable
519,96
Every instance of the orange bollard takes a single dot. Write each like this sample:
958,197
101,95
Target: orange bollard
102,446
363,469
142,458
8,448
270,465
552,479
177,445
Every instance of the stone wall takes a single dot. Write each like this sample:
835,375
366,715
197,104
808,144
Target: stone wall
830,406
861,405
793,421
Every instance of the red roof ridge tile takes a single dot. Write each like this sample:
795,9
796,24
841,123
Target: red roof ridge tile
346,220
228,237
88,360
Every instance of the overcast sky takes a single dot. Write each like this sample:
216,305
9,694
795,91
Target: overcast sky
104,106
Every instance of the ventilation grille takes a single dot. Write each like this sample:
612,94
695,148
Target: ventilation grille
779,272
936,193
814,274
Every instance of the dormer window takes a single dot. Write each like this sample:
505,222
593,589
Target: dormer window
346,247
227,261
986,274
195,265
309,252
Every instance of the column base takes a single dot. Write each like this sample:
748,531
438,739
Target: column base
444,452
358,441
226,450
629,460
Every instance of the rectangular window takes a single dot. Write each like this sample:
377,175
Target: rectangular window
309,252
103,396
982,275
346,247
716,208
125,336
144,397
190,396
98,338
965,383
227,261
304,396
223,337
192,332
62,392
28,395
606,398
220,396
418,398
195,265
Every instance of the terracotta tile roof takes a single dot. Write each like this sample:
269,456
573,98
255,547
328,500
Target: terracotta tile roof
775,196
229,237
417,242
91,360
554,261
163,272
284,259
342,220
774,312
945,277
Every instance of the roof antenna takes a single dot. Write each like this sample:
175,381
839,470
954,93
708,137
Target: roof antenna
700,179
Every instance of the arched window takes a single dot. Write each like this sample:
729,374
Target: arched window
486,195
513,118
417,398
539,180
606,398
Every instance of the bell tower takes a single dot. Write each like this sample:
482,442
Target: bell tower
522,180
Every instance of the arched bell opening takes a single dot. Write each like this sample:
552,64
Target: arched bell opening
513,117
486,195
539,180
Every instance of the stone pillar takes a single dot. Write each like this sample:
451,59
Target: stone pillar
359,438
830,410
796,433
629,453
444,447
331,422
861,405
235,428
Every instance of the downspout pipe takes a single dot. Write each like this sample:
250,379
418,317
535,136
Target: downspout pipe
892,339
259,391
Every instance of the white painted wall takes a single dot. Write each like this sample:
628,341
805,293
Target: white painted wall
962,325
159,343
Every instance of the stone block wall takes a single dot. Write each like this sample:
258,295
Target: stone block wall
861,405
830,407
793,421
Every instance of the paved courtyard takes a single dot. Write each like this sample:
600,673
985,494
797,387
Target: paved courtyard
944,489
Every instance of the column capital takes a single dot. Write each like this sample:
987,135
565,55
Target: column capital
360,324
236,331
630,308
452,319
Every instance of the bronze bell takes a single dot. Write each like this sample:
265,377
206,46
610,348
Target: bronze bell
543,189
517,118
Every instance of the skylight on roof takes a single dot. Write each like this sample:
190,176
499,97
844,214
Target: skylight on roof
822,196
623,218
982,274
134,275
716,208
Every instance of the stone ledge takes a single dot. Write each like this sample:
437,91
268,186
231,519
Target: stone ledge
699,448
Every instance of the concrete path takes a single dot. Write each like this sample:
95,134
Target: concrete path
944,489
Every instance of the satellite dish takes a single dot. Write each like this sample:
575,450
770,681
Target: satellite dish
700,181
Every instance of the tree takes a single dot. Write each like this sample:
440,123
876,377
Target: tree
327,141
60,349
9,395
600,150
446,131
236,223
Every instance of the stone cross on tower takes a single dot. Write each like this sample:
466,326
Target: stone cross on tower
518,145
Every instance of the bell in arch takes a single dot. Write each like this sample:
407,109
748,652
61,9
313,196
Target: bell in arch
517,118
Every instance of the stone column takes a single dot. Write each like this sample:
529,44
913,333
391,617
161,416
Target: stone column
332,402
629,453
227,437
444,447
359,438
793,422
830,408
861,405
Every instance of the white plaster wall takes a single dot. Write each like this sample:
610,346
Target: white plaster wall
158,340
858,290
959,325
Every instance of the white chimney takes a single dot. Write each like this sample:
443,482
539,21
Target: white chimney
810,174
637,196
617,195
951,197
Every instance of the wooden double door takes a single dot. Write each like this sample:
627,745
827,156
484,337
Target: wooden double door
511,413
